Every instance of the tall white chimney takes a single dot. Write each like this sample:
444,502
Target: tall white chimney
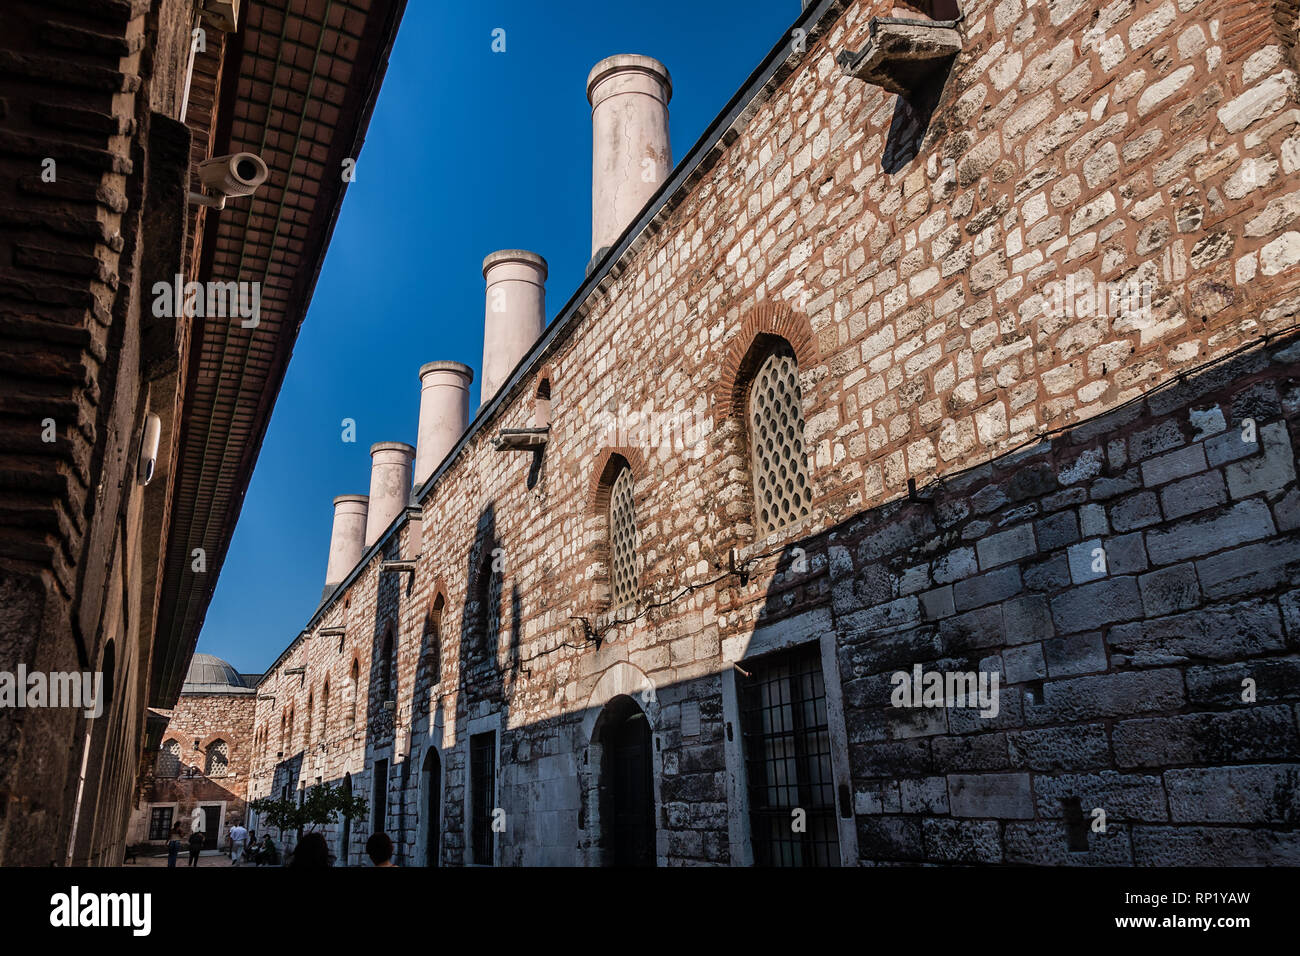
514,313
347,538
390,485
630,151
444,413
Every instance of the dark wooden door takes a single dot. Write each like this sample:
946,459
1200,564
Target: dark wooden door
433,807
632,794
211,821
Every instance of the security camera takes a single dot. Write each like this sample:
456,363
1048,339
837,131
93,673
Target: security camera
149,447
238,174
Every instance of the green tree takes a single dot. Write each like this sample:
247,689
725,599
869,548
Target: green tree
321,805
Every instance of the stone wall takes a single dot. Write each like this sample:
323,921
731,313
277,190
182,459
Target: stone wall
1086,143
1133,584
195,722
88,151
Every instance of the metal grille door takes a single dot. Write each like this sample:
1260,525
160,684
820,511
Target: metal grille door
788,761
482,764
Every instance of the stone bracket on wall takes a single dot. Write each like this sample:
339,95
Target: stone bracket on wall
521,439
903,55
387,566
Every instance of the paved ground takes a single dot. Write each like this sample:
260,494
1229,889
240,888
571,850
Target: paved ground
206,858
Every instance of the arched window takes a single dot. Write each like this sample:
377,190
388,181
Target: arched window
430,666
432,642
283,717
388,667
291,722
782,492
217,759
311,707
622,540
169,759
491,582
325,711
352,694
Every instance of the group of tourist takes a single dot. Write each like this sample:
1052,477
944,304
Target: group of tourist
311,851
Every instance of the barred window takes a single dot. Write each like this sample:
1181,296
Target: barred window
491,585
787,760
622,540
169,759
353,689
160,823
782,493
388,672
218,759
432,650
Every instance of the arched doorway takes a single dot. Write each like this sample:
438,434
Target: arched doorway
432,809
626,789
346,840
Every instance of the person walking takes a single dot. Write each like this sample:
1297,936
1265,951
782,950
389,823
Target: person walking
238,840
196,846
174,845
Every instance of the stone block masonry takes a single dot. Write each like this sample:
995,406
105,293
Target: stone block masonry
1097,506
1115,682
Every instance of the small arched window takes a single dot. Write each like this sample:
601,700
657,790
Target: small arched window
782,492
283,717
217,759
490,586
325,711
311,708
622,540
169,759
388,667
432,643
291,723
352,693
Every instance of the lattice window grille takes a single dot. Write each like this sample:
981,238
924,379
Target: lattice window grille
782,493
218,759
622,540
169,759
491,610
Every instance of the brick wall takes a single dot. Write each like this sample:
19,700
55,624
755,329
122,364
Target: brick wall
1075,140
203,718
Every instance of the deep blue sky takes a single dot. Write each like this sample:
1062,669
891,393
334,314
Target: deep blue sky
468,151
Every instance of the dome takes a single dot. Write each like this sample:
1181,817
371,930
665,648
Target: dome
212,675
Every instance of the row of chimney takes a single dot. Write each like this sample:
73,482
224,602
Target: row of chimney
631,157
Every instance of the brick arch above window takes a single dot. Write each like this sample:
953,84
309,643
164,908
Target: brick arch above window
758,333
205,742
438,590
608,464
